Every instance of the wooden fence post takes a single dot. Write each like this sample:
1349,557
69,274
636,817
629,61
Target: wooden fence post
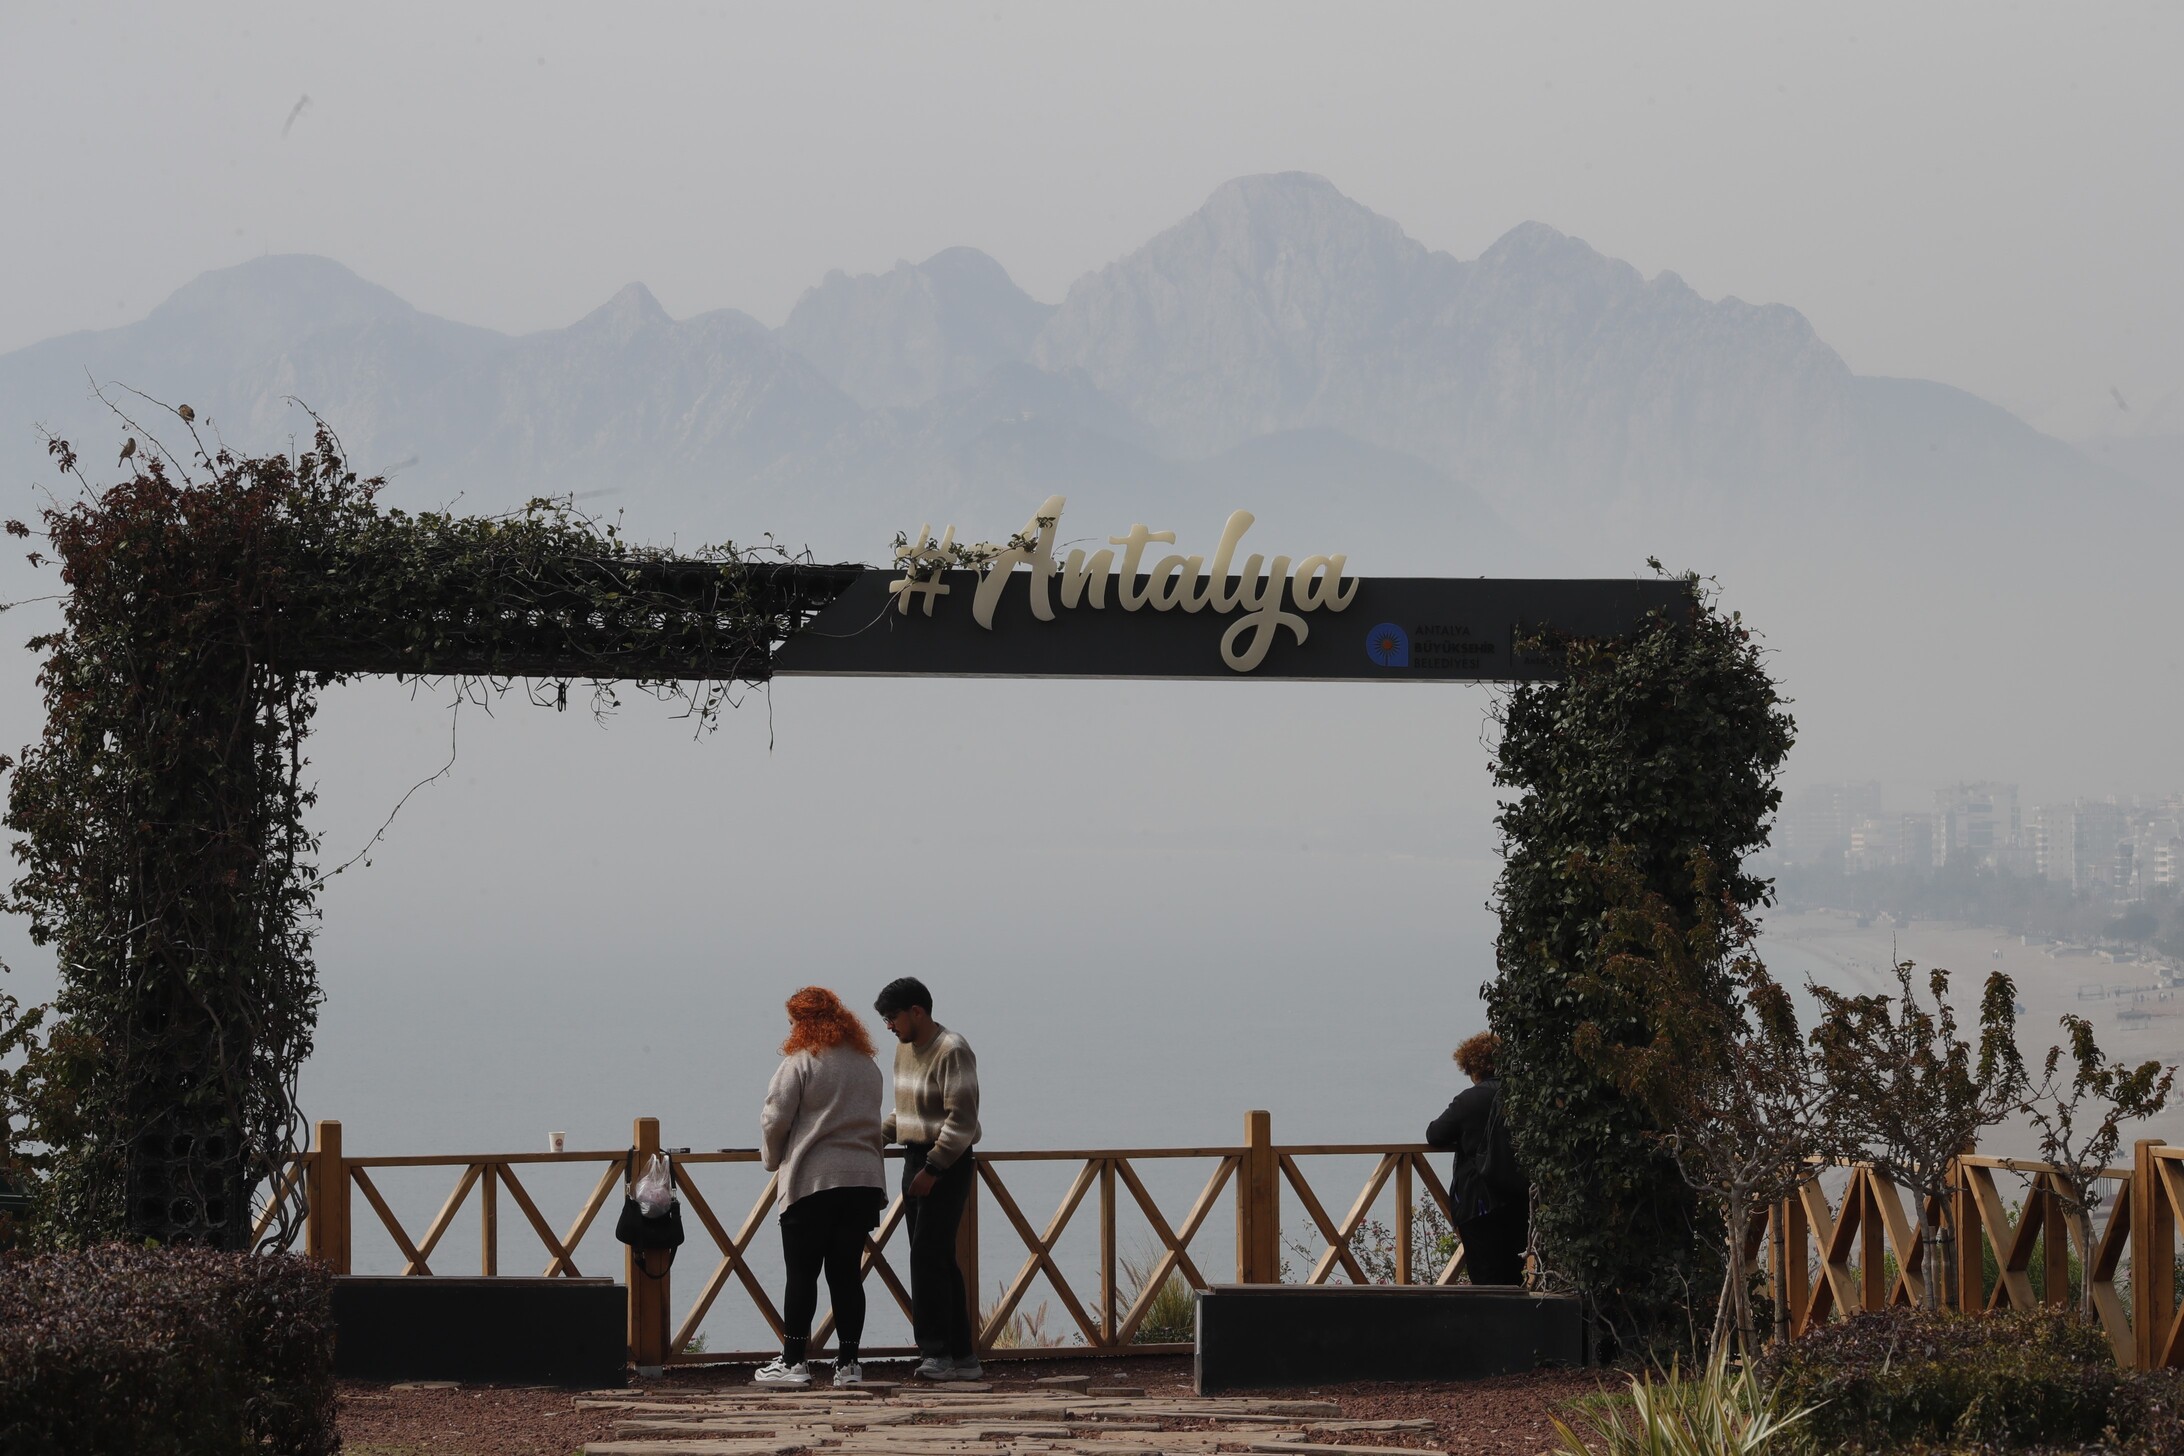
488,1221
2153,1257
967,1261
1109,1323
648,1335
1970,1294
1791,1282
2055,1245
1258,1205
326,1199
1403,1218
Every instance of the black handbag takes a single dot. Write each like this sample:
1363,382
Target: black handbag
649,1233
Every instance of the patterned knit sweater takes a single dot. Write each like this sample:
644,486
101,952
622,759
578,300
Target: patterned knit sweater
820,1127
936,1097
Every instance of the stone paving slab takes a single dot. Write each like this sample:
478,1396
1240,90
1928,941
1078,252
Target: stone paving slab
1058,1417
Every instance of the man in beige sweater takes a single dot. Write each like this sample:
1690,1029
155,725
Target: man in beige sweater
936,1121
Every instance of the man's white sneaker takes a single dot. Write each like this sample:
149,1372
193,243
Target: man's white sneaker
781,1372
847,1372
937,1367
968,1368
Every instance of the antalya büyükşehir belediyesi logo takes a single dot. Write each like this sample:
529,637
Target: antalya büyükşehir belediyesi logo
1388,645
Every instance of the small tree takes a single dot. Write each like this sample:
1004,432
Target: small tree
19,1048
1906,1094
1725,1070
2120,1094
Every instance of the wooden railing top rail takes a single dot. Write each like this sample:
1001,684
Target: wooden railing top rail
996,1155
2032,1165
1980,1160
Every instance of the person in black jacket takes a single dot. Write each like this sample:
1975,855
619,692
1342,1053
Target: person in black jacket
1488,1191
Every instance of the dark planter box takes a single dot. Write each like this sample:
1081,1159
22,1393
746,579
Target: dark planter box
571,1332
1266,1336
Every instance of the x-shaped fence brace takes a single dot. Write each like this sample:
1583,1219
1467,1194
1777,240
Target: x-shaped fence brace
1402,1165
489,1178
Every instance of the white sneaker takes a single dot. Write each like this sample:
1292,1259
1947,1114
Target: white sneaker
848,1372
968,1368
780,1372
937,1367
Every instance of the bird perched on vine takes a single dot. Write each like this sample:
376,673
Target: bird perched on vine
128,447
186,412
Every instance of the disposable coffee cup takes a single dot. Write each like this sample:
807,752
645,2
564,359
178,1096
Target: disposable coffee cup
554,1140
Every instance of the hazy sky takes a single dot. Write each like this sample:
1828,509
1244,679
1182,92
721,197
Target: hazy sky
1197,900
1992,195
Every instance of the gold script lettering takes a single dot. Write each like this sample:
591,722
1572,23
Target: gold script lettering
1176,583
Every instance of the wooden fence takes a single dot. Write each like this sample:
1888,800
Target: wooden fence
1863,1250
1867,1249
1104,1182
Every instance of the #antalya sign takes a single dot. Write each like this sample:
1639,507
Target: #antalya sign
1253,599
1019,610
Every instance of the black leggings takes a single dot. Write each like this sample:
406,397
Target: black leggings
1494,1244
830,1235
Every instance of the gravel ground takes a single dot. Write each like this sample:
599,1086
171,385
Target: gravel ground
1508,1414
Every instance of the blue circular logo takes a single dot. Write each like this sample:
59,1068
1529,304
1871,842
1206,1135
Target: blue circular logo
1388,645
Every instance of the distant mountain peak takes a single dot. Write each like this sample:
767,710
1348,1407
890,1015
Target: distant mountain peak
631,311
900,338
1271,212
1223,326
305,278
266,302
1263,188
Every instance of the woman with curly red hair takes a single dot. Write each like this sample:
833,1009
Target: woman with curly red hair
820,1132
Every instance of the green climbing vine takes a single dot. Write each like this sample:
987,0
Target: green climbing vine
160,820
1658,754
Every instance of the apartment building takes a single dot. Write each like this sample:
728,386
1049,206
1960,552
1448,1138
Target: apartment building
1977,822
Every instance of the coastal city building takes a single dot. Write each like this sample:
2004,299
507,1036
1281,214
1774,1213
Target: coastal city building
2115,849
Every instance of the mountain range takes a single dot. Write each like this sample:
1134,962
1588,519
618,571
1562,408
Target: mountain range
1282,341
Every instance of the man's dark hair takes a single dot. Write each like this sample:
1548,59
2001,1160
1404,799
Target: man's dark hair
903,991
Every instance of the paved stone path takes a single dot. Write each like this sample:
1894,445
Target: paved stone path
1063,1416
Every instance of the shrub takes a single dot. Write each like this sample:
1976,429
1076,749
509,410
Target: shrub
1902,1376
1026,1327
166,1352
1172,1318
1433,1244
1713,1412
2146,1416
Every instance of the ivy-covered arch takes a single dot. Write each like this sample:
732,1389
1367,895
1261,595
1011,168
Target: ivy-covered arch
160,818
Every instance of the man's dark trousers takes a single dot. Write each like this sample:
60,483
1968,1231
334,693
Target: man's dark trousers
939,1316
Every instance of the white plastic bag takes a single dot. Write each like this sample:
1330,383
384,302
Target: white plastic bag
655,1192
